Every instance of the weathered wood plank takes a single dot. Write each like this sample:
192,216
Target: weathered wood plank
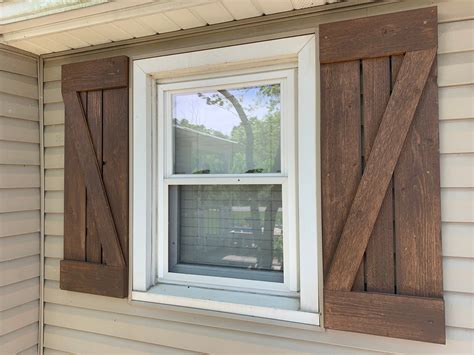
388,315
392,132
95,123
74,192
340,148
98,279
416,188
95,74
115,159
378,36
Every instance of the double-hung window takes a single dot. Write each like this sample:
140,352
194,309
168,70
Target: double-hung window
224,198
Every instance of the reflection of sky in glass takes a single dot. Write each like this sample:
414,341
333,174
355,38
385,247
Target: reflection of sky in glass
223,119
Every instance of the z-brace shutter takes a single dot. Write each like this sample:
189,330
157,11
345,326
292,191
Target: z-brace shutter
380,176
96,177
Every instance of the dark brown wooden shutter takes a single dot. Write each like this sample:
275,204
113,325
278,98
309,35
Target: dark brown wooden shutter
96,177
380,176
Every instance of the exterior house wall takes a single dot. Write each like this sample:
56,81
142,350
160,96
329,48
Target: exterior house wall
79,322
19,202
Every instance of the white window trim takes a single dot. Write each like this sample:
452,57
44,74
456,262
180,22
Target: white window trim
286,178
300,51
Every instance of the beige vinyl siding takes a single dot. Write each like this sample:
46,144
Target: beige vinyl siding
72,319
19,203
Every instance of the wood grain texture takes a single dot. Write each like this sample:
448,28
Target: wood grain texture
93,278
98,200
418,202
378,36
340,149
95,74
115,159
94,121
415,318
74,196
370,194
379,258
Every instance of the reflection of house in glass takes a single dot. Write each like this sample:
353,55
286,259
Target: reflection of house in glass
199,152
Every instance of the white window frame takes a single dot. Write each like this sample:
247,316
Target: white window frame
296,52
286,178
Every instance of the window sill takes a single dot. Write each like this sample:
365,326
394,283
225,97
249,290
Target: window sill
232,302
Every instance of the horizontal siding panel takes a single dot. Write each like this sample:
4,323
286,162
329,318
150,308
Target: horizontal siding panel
457,205
18,85
456,102
52,92
456,36
30,351
14,200
18,317
19,246
54,180
458,275
54,158
17,176
51,269
455,10
78,342
54,224
16,130
18,107
459,309
52,71
170,334
53,246
15,153
457,170
18,64
19,270
54,136
456,136
16,294
19,340
456,69
54,113
54,202
49,351
458,239
16,223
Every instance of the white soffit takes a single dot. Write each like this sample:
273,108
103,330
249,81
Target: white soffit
116,20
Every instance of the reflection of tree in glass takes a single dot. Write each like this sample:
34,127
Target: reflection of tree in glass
261,137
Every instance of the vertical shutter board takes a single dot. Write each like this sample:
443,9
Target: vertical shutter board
94,121
340,148
115,156
74,197
379,260
418,202
384,154
98,200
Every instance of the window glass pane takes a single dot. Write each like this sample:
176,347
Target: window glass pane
228,131
227,231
